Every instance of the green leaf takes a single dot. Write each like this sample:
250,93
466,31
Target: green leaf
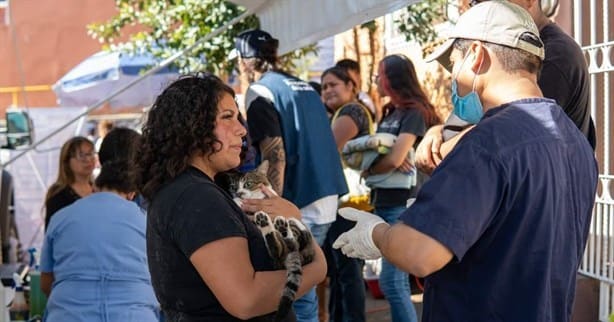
168,26
417,24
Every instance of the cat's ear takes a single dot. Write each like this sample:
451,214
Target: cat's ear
225,180
263,168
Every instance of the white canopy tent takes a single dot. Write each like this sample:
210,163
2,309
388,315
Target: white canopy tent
297,23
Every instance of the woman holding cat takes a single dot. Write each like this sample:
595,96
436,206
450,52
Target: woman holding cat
408,114
351,119
208,261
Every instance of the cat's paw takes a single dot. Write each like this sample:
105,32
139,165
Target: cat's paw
304,240
299,230
281,225
262,219
293,222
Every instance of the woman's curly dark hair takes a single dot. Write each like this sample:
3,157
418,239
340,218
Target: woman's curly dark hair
180,123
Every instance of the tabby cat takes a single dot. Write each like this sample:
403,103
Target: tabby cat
288,241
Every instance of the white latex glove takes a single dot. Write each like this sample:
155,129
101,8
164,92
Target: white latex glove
358,241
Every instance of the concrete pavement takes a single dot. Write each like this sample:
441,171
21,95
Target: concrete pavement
378,310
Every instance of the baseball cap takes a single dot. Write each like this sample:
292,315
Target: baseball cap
496,21
248,43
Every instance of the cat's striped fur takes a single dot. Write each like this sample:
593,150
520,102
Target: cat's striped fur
288,241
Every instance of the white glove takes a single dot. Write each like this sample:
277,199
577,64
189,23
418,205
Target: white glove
358,241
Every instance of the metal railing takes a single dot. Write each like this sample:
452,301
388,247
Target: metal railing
598,260
14,91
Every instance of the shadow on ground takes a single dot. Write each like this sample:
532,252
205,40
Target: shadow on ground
378,310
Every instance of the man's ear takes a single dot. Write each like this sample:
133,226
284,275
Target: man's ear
480,56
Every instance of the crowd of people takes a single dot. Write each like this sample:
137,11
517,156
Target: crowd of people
491,207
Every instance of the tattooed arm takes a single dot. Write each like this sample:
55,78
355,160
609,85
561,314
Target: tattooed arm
265,131
272,149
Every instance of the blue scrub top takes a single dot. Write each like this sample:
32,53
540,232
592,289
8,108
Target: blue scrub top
512,202
96,250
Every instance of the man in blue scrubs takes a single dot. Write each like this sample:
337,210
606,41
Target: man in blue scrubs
500,228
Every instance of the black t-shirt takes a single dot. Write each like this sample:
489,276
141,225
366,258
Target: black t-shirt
359,115
263,120
61,199
186,214
564,78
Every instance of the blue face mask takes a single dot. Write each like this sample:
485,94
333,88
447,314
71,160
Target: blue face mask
467,108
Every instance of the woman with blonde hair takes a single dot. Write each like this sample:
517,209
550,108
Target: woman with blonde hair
74,181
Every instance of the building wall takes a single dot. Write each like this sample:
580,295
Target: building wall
44,39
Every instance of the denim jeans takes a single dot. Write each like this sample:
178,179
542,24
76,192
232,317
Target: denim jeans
393,282
347,286
306,307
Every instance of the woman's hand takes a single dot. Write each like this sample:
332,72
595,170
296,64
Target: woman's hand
365,174
273,205
406,167
428,154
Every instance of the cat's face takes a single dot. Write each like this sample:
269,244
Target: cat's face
248,185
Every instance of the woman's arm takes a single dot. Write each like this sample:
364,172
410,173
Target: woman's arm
46,282
396,157
344,129
446,147
272,149
243,292
432,150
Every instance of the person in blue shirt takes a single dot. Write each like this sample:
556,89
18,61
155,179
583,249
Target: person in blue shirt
499,230
564,77
94,262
